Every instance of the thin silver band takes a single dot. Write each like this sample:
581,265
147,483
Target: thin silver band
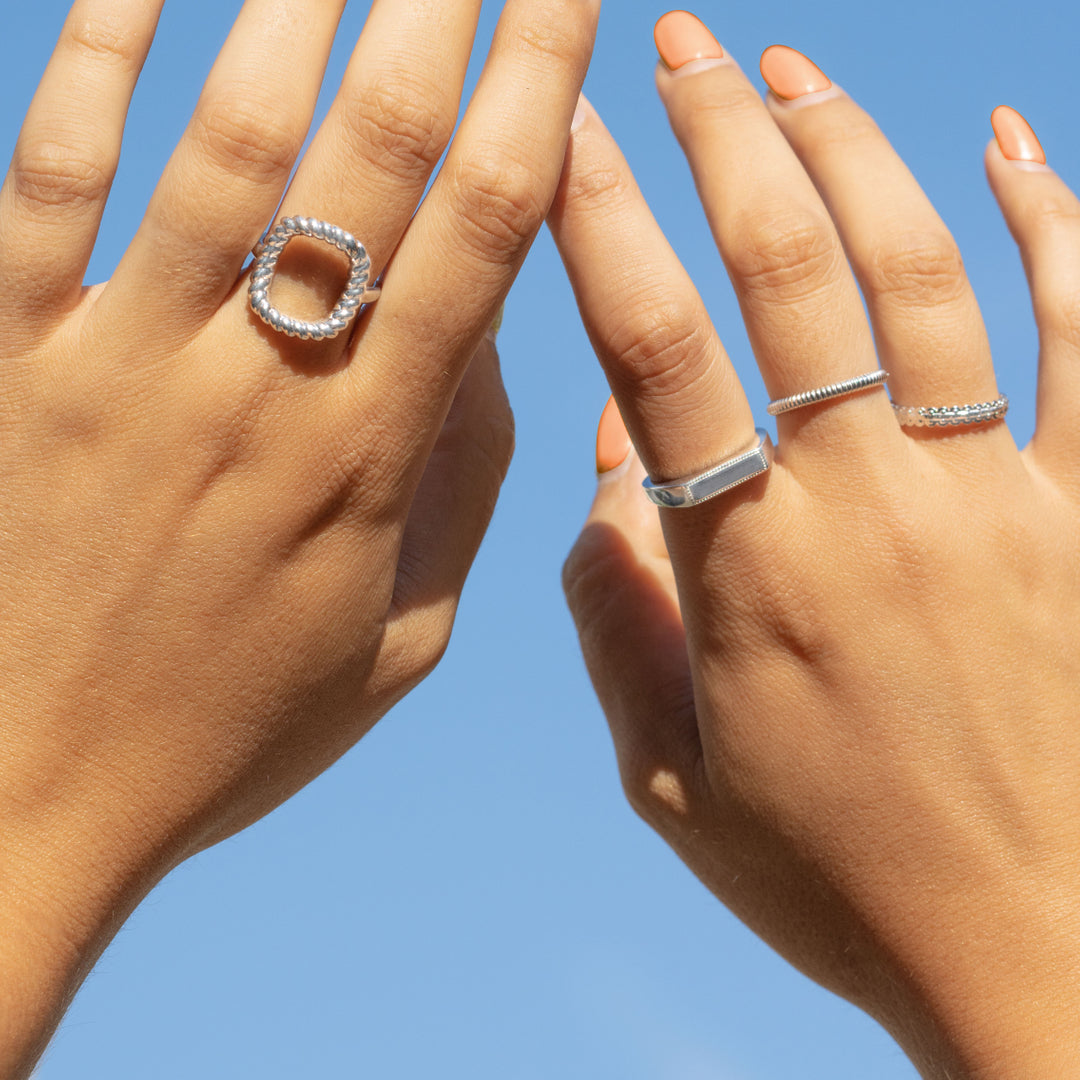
268,251
723,477
952,415
825,393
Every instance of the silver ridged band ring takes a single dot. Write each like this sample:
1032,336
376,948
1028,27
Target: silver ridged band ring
952,415
692,490
826,393
356,293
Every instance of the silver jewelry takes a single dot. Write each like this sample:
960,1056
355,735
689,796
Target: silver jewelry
692,490
356,293
825,393
951,415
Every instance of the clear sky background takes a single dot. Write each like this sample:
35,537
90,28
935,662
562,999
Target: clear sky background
467,894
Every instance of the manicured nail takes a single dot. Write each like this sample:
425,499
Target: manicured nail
612,441
791,75
1015,137
682,37
496,323
580,113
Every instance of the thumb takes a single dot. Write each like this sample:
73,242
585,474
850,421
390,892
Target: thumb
621,591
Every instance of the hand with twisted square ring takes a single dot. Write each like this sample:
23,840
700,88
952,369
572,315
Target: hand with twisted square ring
845,691
226,551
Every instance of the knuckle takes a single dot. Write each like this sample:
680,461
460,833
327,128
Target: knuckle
1058,316
401,136
851,128
495,439
423,633
53,174
104,38
430,648
585,573
482,447
597,188
783,257
660,349
916,269
1051,212
237,137
706,111
652,790
552,41
499,203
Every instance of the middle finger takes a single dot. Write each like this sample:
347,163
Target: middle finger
800,303
370,161
930,334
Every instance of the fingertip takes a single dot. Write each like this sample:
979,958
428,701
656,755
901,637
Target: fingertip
613,443
790,74
682,38
1015,137
582,114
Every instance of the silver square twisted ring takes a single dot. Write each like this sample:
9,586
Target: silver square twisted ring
263,269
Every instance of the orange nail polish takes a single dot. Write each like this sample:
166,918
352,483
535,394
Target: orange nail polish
1015,137
682,37
790,75
612,440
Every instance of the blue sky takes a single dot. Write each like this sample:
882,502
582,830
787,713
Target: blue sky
466,894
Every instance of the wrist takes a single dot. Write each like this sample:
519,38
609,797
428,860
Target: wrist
66,887
999,997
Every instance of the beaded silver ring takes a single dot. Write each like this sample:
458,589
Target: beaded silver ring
980,412
263,269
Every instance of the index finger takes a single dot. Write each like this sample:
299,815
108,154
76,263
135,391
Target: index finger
677,390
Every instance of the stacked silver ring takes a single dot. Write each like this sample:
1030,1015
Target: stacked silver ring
951,415
827,393
691,490
265,266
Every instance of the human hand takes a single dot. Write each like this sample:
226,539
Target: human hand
845,692
225,553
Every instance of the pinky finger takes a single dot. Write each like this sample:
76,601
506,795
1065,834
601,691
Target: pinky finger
66,156
1043,216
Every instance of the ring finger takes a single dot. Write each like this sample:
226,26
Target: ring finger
800,303
930,334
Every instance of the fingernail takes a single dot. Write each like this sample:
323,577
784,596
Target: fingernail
1015,137
791,75
496,323
682,37
580,113
612,441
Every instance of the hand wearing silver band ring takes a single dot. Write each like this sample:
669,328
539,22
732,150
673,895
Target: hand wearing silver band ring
268,251
692,490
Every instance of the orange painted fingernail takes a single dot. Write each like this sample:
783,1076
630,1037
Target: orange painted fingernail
612,441
682,37
1015,137
790,75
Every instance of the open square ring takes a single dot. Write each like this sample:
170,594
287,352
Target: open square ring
263,269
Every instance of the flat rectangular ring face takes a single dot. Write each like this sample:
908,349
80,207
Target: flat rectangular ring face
729,474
